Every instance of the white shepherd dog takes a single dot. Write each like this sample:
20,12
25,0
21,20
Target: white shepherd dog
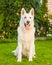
26,38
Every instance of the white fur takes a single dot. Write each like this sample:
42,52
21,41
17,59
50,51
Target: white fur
25,37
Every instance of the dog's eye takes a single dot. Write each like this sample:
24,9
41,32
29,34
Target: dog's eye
30,17
25,17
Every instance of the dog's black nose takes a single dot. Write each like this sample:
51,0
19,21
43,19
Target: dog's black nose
28,22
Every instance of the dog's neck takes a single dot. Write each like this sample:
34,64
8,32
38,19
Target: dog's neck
24,30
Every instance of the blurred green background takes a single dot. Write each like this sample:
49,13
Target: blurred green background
10,11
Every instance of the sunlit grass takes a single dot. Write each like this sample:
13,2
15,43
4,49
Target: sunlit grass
43,54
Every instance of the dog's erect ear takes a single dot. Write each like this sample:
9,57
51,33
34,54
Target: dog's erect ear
32,12
23,11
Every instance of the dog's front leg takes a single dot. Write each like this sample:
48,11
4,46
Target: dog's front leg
19,52
31,52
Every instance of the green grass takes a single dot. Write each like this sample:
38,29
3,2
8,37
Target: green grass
43,54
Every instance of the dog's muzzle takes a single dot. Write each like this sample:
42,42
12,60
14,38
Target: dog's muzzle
27,25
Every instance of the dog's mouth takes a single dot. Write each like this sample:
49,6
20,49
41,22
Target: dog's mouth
27,26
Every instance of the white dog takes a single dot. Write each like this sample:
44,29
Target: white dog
26,32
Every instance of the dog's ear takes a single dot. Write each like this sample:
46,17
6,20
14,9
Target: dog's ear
32,12
23,11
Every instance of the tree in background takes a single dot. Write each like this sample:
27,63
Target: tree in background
11,16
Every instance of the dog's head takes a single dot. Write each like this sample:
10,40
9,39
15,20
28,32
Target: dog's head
27,19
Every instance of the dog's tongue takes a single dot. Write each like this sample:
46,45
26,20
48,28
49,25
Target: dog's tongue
27,27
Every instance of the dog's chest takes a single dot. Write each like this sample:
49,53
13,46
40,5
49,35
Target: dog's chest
27,36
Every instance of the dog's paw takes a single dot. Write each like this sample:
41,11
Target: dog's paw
19,60
34,56
30,60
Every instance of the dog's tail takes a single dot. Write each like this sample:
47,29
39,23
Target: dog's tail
15,52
